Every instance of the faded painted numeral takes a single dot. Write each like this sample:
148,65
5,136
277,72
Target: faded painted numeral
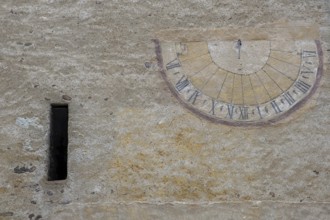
230,111
288,97
193,97
302,86
306,72
259,111
244,113
308,53
173,64
182,83
275,107
213,107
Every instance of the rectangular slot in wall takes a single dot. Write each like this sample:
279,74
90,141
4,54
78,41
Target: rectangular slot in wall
58,149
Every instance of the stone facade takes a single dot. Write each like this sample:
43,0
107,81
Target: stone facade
134,151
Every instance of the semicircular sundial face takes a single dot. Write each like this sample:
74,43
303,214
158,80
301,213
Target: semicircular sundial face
242,82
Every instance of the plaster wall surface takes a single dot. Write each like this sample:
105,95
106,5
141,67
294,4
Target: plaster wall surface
134,151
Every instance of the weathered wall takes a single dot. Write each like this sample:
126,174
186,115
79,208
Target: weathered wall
134,151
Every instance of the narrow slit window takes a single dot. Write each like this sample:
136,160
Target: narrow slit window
58,149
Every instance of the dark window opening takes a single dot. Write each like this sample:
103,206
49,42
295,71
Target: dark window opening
58,149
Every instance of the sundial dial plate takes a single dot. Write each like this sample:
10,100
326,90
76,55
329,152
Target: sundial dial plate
242,81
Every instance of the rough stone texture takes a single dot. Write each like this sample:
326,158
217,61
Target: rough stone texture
134,151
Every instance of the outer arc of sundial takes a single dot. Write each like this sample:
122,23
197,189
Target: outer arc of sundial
237,123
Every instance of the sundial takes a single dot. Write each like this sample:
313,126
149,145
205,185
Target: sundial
241,78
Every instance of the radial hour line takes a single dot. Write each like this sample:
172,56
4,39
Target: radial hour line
284,51
254,93
280,72
242,89
284,61
264,86
192,58
202,69
273,80
209,79
222,85
232,90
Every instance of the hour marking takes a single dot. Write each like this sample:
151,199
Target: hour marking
259,112
230,111
289,98
266,109
244,113
213,107
193,97
302,86
306,72
173,64
275,107
182,83
308,53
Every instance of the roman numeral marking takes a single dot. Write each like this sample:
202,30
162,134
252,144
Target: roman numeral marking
266,109
302,86
230,111
259,112
213,107
173,64
244,113
308,53
289,98
193,97
182,83
306,72
275,107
